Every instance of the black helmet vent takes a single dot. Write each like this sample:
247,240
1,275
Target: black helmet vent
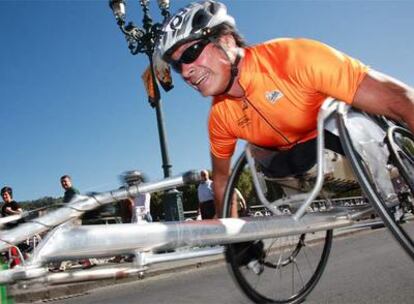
200,20
214,7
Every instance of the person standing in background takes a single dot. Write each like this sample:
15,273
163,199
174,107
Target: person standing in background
206,196
140,204
70,191
10,207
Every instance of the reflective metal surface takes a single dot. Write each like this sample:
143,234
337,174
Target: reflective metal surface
108,240
146,258
80,204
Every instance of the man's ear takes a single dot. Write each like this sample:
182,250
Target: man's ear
227,41
229,45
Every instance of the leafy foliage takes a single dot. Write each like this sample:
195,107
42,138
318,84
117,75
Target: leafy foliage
44,202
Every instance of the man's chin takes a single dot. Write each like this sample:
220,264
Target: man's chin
204,94
209,91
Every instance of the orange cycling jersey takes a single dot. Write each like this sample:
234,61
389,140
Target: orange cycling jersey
285,83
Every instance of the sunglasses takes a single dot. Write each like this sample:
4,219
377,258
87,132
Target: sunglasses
189,55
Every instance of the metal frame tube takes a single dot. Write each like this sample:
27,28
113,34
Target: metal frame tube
68,242
80,204
90,274
11,218
328,107
108,240
146,258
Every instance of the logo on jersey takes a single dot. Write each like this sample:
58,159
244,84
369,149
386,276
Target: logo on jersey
273,96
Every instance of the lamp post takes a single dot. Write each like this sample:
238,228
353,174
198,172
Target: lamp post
142,41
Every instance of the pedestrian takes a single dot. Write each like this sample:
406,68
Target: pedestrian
125,208
206,196
70,191
141,203
268,94
134,209
68,196
142,208
9,208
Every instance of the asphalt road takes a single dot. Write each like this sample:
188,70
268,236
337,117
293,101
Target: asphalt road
367,267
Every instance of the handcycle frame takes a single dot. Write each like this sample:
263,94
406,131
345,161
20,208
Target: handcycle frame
67,240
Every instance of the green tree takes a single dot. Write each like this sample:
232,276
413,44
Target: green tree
190,199
157,208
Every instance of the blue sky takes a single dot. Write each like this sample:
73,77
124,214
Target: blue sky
72,102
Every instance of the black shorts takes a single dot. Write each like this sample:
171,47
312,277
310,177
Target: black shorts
299,159
207,210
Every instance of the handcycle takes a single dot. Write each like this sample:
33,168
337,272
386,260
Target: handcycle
274,259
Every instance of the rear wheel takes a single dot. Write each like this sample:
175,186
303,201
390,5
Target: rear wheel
277,270
401,167
401,144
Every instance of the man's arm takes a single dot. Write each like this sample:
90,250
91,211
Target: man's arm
10,211
221,171
383,95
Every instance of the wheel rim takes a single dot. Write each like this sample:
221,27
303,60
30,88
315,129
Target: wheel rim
292,265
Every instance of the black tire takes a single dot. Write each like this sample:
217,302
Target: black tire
292,265
401,231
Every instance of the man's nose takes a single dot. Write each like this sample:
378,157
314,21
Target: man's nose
187,70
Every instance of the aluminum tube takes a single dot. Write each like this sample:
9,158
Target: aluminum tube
108,240
41,224
11,218
367,224
146,258
22,273
43,276
91,274
164,184
80,204
363,212
256,182
328,107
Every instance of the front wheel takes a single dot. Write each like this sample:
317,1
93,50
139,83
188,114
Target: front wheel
277,270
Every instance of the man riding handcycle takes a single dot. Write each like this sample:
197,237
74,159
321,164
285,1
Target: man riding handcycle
275,96
270,95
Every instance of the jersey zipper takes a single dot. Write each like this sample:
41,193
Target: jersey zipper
267,121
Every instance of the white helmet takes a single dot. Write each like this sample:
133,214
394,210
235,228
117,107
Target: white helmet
192,22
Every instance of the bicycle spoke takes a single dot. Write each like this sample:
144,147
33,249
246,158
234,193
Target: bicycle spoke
307,258
293,277
299,273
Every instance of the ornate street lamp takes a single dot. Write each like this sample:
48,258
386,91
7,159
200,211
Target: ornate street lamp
142,40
